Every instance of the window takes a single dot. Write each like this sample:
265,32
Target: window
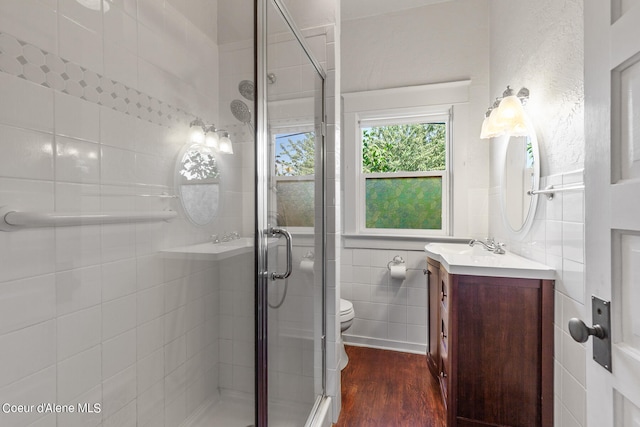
403,173
397,169
294,178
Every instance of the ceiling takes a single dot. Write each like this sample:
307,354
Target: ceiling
355,9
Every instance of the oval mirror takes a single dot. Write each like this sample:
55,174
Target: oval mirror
198,183
520,175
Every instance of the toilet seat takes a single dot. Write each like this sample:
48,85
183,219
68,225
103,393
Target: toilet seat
346,311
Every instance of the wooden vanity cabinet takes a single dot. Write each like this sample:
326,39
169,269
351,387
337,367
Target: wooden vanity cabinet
495,349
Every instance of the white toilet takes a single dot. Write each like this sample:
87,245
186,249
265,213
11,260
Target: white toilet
346,320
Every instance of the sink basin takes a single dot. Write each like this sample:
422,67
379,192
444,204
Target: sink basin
460,258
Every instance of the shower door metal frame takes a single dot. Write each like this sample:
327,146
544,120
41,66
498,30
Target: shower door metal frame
262,165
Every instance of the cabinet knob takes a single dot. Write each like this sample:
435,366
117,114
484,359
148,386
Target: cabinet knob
442,296
443,335
443,374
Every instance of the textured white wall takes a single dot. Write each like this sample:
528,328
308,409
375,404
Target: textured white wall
540,45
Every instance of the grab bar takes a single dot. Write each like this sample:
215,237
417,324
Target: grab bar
159,196
11,219
550,190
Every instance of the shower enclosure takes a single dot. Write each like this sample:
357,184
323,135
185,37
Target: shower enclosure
290,203
162,214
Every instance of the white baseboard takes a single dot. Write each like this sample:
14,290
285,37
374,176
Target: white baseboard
405,347
320,416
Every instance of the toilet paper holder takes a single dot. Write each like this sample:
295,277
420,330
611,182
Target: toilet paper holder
397,260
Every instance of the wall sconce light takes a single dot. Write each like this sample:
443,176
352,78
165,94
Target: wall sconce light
207,135
506,115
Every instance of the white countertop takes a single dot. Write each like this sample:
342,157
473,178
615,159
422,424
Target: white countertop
460,258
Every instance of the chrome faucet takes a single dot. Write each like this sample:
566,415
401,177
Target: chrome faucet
490,245
227,237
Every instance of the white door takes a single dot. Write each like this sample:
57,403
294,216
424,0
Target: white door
612,197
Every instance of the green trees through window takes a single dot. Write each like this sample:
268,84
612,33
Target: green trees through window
398,164
404,148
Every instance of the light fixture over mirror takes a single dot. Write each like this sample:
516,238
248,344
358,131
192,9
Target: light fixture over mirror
207,135
506,116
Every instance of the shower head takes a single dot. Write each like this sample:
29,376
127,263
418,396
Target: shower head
241,111
247,89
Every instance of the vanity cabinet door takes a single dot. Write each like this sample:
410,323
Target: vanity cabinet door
444,347
433,295
501,355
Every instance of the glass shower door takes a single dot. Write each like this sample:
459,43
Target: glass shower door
291,165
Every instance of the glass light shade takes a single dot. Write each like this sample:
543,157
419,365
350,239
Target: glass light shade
494,127
197,135
225,145
211,140
520,129
511,115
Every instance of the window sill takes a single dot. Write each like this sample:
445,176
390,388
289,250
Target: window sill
398,242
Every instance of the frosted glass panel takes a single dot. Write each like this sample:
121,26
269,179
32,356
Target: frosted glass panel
295,203
404,203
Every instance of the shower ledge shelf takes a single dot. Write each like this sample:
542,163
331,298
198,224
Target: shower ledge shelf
214,251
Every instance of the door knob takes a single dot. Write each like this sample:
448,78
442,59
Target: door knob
581,332
601,318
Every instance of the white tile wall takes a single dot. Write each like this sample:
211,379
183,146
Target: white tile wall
389,313
561,246
89,117
99,111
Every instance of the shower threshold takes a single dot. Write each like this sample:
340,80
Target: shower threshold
237,410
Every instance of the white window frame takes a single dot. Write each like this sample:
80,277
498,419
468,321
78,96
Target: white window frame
396,106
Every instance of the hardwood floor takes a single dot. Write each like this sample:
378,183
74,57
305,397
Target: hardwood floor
388,389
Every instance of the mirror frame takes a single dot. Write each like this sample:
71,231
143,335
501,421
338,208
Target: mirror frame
179,182
521,232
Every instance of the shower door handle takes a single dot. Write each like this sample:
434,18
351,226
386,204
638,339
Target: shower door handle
276,232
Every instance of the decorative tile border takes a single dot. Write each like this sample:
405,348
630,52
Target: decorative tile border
31,63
